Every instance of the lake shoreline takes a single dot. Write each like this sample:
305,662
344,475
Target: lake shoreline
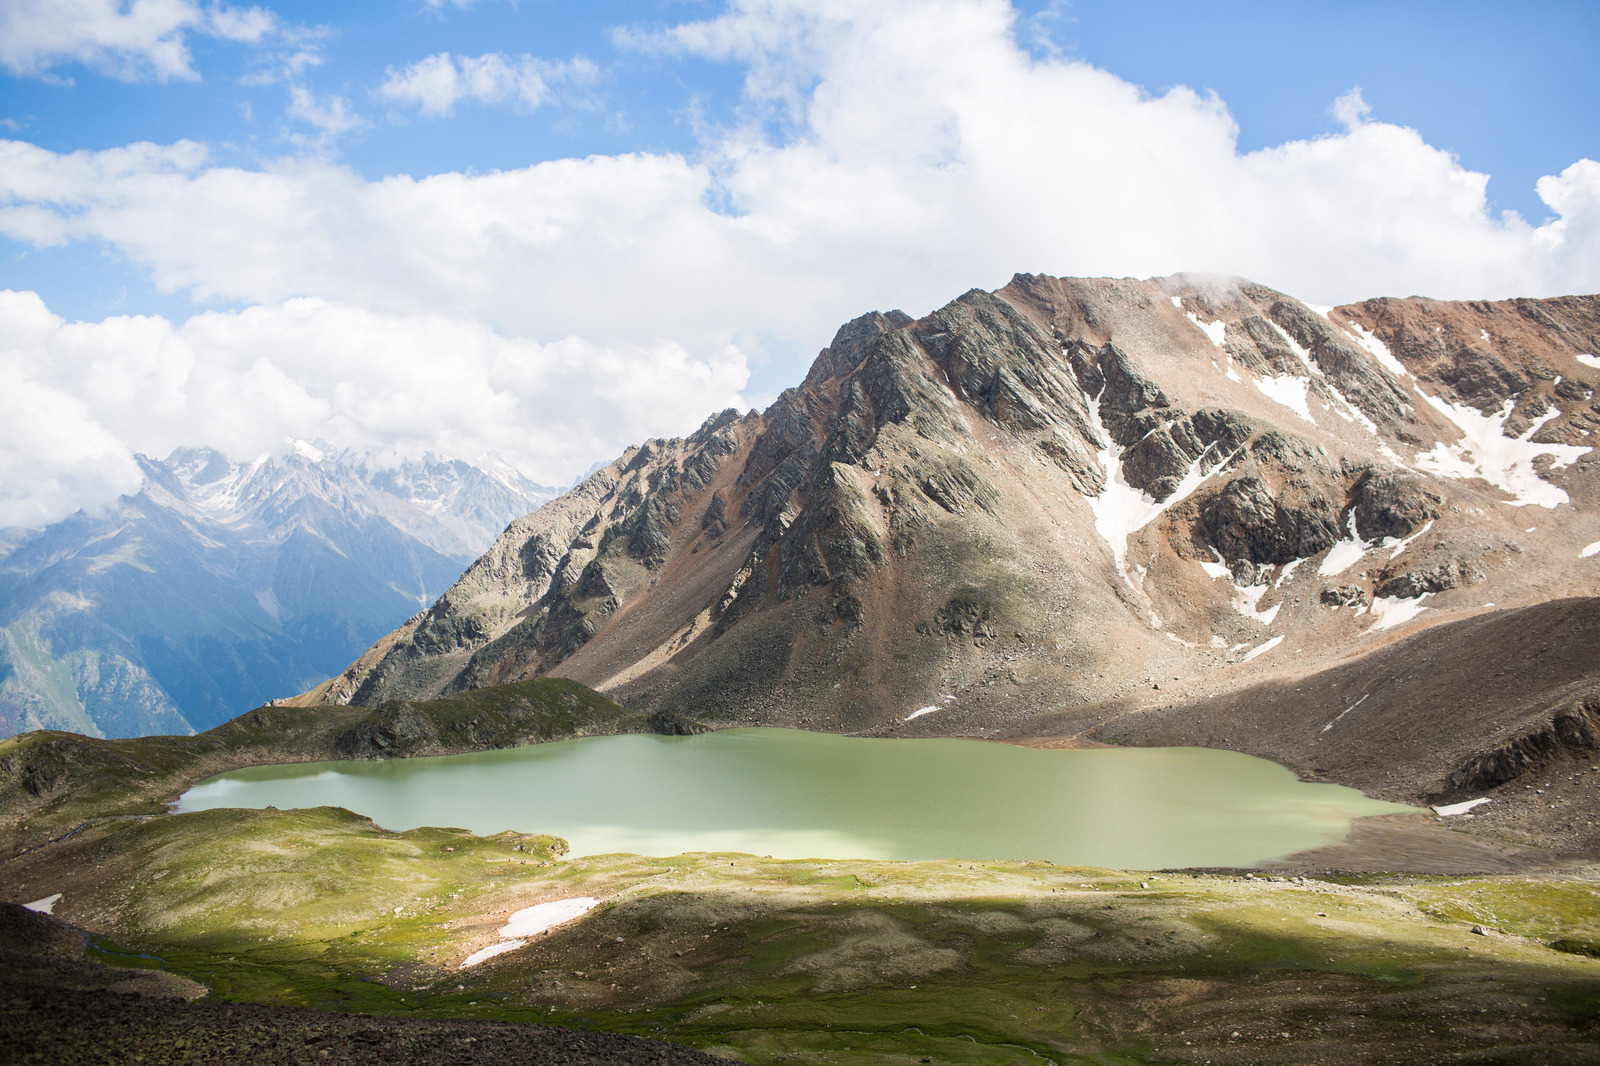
54,784
803,794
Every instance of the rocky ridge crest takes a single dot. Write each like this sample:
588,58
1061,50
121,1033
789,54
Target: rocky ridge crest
1066,492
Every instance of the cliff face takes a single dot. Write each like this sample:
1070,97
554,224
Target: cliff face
1059,494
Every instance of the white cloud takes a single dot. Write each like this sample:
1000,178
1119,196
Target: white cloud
462,5
435,85
133,41
294,49
901,178
331,116
907,178
1351,109
54,457
76,399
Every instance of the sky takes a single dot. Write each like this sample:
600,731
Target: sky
545,230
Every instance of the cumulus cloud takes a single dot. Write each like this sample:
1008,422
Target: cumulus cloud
435,85
903,178
76,399
331,116
138,41
865,168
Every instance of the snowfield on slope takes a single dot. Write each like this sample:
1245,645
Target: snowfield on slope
1122,510
1505,462
531,921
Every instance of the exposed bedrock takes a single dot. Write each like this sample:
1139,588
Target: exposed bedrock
1344,596
1393,505
1574,731
1247,521
1453,573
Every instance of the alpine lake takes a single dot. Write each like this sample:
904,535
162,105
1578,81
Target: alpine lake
791,794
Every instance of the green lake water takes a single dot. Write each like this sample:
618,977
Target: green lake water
793,794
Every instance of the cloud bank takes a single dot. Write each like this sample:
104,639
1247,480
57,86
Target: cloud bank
886,154
77,398
144,40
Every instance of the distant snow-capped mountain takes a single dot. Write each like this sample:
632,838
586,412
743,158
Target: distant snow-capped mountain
222,584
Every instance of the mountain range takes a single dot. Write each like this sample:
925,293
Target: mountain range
1070,509
221,585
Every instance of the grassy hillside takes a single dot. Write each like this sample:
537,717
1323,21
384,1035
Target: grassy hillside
857,962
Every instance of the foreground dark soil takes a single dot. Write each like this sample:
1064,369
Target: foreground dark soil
58,1007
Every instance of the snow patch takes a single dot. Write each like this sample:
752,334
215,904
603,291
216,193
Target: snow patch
308,450
1391,611
1323,311
1379,351
1401,545
1593,549
1484,334
44,906
1231,374
1346,711
1590,360
1268,646
1288,568
1177,302
1288,390
1294,346
531,921
1504,462
920,711
1122,510
1216,331
1450,809
1247,597
268,601
1346,553
1350,412
490,952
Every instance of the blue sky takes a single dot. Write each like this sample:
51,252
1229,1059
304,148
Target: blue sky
1512,97
694,193
1511,94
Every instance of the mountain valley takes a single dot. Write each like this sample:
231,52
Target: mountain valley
221,585
1091,510
1359,541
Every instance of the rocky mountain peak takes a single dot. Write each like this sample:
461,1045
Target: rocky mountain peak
1047,496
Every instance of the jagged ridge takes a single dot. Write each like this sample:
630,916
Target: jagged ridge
1053,495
